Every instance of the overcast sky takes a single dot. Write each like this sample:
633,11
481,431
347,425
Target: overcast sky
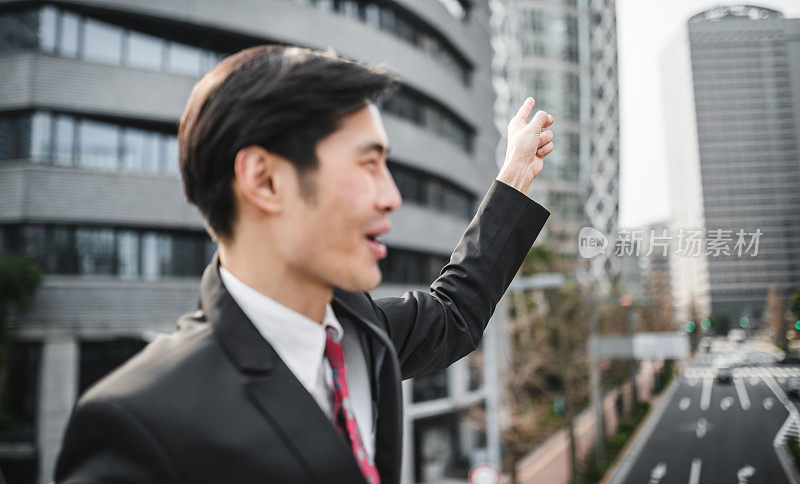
643,28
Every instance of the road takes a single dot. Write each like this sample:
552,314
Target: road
708,431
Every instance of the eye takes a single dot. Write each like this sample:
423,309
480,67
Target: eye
371,163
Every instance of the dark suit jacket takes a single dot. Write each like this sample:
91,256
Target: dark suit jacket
213,403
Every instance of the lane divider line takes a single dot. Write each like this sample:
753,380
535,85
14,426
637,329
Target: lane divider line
694,475
705,399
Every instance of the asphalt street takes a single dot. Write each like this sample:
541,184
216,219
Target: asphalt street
710,431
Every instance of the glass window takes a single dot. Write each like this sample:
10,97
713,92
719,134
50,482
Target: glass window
68,44
99,358
170,152
189,252
98,144
144,51
28,29
41,136
47,29
20,391
95,250
64,140
140,150
60,254
127,253
150,255
102,42
184,59
430,387
372,15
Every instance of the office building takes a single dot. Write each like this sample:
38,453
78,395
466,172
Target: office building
90,96
731,82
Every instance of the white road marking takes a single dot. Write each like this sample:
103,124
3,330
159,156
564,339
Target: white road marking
658,473
685,402
782,379
705,399
753,381
768,402
694,475
702,428
742,391
726,403
692,382
745,473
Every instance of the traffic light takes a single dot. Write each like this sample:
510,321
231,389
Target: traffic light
690,327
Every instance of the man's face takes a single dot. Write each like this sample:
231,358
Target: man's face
332,234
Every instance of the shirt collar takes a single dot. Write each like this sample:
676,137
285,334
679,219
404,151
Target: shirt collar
298,340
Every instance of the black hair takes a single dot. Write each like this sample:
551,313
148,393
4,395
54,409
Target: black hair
284,99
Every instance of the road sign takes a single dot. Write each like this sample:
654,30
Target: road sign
643,346
484,474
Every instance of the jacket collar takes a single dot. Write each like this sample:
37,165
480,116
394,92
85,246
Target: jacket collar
291,409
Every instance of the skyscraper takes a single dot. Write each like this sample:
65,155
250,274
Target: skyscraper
90,96
564,54
732,113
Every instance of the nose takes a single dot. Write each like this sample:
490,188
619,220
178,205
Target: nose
389,198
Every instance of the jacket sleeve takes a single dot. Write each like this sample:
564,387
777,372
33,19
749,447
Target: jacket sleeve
431,330
106,442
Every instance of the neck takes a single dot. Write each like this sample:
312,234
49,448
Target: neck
269,276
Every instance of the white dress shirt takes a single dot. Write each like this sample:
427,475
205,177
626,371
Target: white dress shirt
300,343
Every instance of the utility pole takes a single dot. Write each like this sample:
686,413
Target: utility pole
627,301
596,391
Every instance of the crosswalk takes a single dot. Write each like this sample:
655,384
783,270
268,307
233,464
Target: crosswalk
744,372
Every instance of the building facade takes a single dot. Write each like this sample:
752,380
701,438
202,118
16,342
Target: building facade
732,96
564,55
90,96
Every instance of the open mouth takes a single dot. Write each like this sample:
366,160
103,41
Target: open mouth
376,246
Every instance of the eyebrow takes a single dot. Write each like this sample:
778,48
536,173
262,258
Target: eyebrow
374,146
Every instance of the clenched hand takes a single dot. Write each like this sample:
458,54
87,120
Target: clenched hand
527,147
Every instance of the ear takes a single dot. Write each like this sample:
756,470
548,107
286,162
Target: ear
259,178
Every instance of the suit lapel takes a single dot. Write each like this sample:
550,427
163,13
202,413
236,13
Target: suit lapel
274,390
385,385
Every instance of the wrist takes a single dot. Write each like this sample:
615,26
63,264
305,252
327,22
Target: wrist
519,177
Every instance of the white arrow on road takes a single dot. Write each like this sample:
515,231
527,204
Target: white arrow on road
768,403
726,403
702,427
745,473
684,403
658,473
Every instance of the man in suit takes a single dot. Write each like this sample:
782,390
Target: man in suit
289,372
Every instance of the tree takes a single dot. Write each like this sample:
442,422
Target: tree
775,316
794,304
19,279
548,334
720,324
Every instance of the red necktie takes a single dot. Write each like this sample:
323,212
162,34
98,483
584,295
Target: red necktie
343,410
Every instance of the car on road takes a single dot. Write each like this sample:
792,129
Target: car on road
724,374
789,358
793,386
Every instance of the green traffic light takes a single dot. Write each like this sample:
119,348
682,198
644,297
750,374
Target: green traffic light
744,321
705,324
797,326
690,327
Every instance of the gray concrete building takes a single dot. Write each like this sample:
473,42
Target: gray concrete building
90,95
732,96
